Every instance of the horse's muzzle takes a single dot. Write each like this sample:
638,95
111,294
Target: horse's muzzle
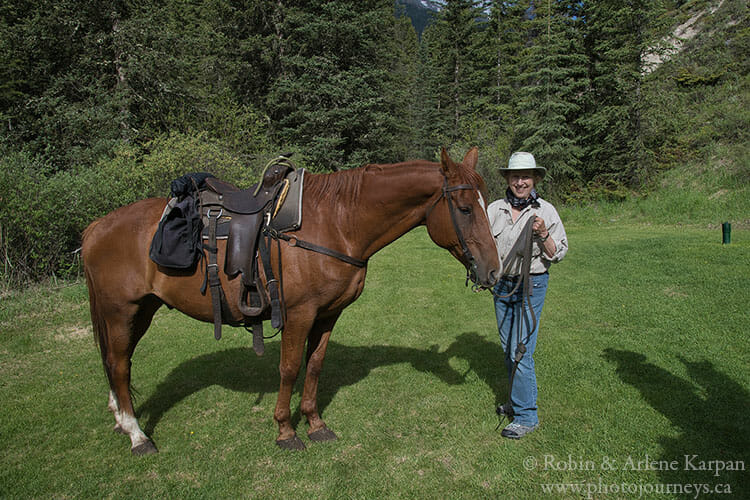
481,280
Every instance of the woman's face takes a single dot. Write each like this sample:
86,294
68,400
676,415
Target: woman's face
521,182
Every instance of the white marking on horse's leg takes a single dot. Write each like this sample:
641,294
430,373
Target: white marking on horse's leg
114,407
129,425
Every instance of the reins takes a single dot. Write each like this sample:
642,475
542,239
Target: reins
522,248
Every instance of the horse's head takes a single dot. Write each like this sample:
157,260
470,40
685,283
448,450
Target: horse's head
458,220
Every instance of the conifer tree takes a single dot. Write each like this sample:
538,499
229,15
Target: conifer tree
432,120
90,75
335,96
504,39
500,42
405,87
617,36
430,123
58,78
449,59
551,85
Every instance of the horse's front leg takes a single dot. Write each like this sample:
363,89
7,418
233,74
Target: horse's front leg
293,339
317,343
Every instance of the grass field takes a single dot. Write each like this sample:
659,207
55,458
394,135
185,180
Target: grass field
642,367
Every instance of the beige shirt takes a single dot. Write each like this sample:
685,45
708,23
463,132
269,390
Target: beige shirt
506,233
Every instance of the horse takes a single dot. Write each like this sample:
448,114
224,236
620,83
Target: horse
353,212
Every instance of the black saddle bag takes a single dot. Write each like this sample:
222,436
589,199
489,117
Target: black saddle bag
177,242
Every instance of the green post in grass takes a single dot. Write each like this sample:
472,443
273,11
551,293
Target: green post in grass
726,233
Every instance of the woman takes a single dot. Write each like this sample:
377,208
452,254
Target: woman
508,217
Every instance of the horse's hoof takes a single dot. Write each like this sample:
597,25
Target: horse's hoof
293,444
324,434
145,448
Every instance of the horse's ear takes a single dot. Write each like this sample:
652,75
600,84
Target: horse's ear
470,160
445,161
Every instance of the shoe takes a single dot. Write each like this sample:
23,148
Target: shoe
517,431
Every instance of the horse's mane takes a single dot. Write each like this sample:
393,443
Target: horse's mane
341,185
346,185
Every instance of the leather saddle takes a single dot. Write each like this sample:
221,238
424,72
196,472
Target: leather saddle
240,216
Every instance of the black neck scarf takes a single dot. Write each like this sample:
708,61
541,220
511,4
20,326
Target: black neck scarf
520,203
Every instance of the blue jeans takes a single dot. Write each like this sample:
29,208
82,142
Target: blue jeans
509,321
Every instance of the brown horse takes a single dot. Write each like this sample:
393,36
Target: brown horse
355,212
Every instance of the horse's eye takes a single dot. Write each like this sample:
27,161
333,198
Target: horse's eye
465,210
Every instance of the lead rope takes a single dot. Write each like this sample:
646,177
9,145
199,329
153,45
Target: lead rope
526,239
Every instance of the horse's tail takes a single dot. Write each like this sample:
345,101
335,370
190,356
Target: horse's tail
97,318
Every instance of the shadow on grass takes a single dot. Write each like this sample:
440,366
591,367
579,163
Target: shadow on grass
710,411
239,369
485,359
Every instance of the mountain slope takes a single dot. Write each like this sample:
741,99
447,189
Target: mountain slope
420,12
697,115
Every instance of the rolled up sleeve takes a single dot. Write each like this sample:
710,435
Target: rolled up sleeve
557,233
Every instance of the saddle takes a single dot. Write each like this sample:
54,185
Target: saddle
241,217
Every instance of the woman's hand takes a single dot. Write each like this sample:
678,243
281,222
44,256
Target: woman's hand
539,228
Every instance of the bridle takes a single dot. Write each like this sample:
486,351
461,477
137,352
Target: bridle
471,268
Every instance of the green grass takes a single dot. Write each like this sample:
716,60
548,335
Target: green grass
642,353
701,193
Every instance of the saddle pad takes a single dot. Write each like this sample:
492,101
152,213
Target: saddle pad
289,217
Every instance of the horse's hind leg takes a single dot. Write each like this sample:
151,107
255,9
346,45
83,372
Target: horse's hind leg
317,344
124,330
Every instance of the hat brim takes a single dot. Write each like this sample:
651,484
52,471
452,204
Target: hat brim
541,170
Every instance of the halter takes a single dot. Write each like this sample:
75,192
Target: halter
471,269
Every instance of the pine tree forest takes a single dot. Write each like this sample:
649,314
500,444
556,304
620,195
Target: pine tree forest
104,102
